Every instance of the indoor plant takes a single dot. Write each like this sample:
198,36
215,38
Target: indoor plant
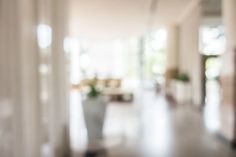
182,88
94,106
183,77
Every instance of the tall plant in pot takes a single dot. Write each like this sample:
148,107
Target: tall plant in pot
94,106
182,88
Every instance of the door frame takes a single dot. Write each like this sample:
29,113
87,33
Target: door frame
204,58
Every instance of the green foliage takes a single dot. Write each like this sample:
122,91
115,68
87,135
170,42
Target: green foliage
182,77
93,92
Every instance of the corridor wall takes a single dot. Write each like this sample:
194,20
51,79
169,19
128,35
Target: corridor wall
228,112
189,56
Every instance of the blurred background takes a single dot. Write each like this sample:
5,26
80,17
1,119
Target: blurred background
110,78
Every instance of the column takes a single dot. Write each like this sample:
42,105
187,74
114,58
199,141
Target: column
59,106
7,136
141,60
172,53
228,73
20,79
30,91
44,30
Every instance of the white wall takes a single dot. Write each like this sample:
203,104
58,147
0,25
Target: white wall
172,47
228,123
189,56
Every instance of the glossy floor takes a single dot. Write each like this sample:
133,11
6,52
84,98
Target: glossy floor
152,127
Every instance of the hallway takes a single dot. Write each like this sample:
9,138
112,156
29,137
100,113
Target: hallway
112,56
152,127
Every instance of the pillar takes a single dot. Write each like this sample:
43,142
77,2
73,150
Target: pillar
141,60
19,92
228,108
10,138
59,106
172,53
29,72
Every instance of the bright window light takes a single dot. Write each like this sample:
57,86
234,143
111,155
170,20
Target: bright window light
155,54
157,40
44,35
44,69
212,40
71,44
84,61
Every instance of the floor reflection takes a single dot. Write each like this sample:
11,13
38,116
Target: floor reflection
156,126
211,110
78,131
150,127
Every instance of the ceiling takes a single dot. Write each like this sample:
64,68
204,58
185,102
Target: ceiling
211,7
108,19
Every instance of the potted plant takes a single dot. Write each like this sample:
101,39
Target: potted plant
183,77
94,106
182,88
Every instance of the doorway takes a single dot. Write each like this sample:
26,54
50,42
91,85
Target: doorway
211,83
211,91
